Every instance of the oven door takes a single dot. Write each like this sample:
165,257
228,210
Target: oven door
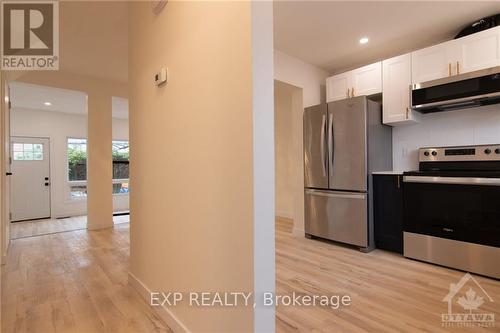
464,209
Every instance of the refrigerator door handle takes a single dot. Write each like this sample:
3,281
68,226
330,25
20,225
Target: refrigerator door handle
331,141
333,194
323,159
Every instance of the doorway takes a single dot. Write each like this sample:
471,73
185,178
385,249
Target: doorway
289,170
30,184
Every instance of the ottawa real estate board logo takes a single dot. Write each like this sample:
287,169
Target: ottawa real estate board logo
465,300
30,35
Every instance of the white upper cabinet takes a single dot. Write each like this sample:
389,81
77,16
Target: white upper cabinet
366,80
337,87
467,54
396,91
431,63
477,51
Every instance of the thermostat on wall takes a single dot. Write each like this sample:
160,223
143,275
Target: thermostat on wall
161,76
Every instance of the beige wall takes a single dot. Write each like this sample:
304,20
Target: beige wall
283,148
100,165
289,154
192,175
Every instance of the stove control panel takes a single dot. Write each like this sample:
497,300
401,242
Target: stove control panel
457,154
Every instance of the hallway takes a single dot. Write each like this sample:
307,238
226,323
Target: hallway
73,282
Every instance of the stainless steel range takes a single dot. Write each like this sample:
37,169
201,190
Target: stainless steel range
452,208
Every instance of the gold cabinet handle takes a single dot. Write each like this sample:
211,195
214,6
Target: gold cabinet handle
407,112
352,92
348,93
458,67
449,69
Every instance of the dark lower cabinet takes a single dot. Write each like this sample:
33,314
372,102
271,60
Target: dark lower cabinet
388,212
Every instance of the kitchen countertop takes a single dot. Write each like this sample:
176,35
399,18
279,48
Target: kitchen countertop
387,173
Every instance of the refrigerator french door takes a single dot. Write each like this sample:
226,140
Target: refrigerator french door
315,147
337,205
347,144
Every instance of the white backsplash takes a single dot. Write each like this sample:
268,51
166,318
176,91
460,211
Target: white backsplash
452,128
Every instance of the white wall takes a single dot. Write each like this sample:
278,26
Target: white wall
58,127
303,75
464,127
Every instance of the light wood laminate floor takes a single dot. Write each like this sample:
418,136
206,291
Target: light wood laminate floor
389,292
73,282
77,282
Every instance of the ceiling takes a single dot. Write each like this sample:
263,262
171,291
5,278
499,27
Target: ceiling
94,38
326,33
33,97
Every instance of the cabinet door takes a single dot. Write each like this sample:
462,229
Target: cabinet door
396,90
477,51
337,87
367,80
431,63
388,212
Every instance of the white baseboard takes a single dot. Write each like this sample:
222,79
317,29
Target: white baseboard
163,312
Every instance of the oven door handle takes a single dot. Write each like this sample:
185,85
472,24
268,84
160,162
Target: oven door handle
452,180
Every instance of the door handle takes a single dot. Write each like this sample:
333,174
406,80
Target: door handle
47,184
335,194
8,173
322,145
331,140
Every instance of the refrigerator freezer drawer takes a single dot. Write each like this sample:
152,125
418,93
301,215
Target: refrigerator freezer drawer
338,216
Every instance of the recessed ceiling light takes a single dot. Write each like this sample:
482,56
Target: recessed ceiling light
47,103
363,40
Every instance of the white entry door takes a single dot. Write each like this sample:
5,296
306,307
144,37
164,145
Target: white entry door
30,186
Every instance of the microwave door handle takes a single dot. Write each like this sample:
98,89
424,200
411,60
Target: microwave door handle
323,159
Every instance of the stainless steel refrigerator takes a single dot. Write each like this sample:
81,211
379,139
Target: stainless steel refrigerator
344,142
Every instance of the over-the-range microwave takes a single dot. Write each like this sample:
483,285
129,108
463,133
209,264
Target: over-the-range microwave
457,92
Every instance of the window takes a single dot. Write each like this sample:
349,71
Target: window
27,151
77,159
77,167
120,159
120,151
78,190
